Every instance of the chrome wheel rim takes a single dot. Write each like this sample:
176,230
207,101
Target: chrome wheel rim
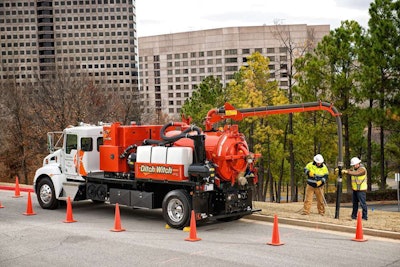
175,210
45,193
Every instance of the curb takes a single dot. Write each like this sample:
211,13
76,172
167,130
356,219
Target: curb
326,226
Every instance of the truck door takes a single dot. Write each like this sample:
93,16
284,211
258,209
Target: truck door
88,156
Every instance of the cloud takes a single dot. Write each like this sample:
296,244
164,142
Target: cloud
354,4
162,17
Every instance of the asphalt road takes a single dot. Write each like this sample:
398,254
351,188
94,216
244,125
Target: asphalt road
44,239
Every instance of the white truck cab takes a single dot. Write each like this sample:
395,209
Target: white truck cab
64,169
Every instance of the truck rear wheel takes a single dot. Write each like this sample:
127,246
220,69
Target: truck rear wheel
176,208
46,194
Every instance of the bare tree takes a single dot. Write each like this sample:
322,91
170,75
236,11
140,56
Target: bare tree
18,133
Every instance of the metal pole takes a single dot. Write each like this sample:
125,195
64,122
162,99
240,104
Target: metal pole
340,166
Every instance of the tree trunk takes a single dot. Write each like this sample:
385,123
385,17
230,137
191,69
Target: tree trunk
369,150
382,158
271,186
291,160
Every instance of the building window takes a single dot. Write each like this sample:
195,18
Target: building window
283,49
231,60
231,52
270,50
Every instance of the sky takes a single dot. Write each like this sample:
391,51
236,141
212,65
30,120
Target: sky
156,17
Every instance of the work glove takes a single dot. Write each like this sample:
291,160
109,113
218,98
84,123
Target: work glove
345,171
336,170
311,173
319,183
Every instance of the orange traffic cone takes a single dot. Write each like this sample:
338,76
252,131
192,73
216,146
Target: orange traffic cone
17,191
69,218
193,233
117,221
1,206
359,231
275,234
29,209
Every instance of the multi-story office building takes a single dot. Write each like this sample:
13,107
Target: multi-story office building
95,37
172,65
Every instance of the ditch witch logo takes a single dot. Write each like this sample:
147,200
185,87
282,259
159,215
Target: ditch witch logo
156,169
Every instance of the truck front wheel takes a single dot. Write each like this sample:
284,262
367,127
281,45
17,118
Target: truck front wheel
176,208
46,194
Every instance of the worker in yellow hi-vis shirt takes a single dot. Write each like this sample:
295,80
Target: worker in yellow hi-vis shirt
317,175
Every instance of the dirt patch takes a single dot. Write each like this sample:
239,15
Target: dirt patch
377,219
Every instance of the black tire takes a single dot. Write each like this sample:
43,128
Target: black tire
46,194
176,208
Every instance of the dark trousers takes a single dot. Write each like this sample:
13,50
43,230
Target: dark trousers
359,196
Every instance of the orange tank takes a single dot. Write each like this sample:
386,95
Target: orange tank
227,149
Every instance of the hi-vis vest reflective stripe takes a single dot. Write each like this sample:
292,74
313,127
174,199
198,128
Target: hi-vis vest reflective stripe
359,183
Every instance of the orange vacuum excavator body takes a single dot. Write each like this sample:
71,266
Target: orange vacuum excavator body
227,149
117,137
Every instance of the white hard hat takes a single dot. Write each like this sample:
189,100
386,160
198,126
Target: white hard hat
354,161
318,158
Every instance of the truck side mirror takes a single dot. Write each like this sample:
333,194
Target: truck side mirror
50,142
